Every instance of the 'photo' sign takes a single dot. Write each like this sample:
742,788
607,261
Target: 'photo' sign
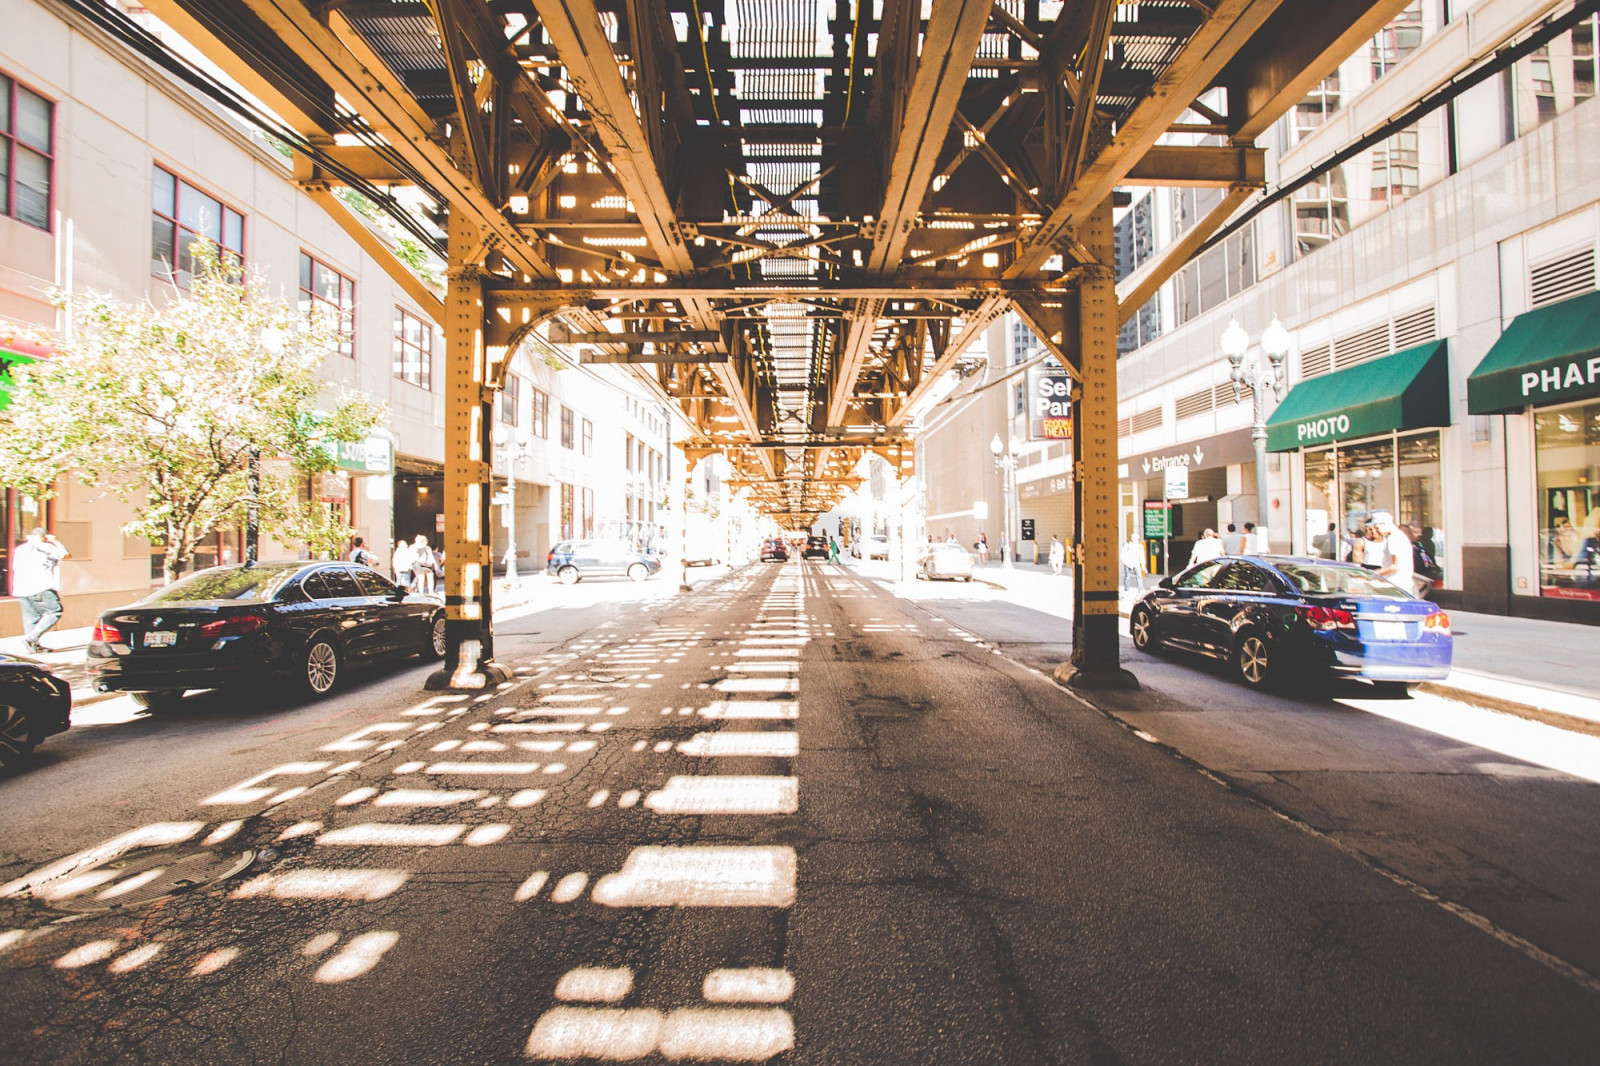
1049,404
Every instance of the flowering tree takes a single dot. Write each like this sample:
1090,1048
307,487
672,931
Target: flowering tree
165,405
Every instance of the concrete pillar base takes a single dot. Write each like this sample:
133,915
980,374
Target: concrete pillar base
1095,679
467,677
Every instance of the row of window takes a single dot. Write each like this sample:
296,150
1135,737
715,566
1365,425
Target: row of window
508,409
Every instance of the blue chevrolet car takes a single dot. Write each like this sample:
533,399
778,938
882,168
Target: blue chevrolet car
1273,617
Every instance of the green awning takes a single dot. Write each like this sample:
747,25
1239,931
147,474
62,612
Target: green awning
1544,356
1407,390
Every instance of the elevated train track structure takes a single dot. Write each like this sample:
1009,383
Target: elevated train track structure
788,218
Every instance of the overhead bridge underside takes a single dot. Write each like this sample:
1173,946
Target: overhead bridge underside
789,218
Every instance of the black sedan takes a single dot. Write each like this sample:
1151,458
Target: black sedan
1276,617
244,625
816,548
34,704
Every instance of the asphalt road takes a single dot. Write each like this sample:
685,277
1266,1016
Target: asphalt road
792,818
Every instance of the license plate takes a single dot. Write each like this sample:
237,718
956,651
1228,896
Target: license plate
1389,631
160,638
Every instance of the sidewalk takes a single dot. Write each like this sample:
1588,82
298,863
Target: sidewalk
1545,671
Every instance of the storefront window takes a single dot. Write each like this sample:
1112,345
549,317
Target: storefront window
1346,483
1568,457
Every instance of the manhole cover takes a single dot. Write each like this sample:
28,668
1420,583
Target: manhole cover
139,878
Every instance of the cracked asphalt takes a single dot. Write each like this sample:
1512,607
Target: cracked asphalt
792,818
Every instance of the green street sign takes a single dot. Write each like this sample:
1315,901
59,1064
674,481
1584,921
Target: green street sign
1156,516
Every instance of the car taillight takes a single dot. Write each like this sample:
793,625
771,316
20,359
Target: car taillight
236,626
1439,622
106,633
1328,618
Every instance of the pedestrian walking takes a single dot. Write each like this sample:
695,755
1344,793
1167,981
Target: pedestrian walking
360,555
422,574
833,549
982,548
403,560
36,583
1207,548
1132,564
1234,542
1058,555
1399,562
1255,540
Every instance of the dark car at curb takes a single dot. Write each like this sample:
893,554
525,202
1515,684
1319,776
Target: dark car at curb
816,548
259,624
34,704
1273,618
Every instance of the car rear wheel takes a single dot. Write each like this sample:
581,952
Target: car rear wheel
321,668
1396,690
1142,627
637,572
1253,659
16,734
568,575
158,700
436,637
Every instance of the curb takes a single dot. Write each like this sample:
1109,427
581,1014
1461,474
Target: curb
1571,723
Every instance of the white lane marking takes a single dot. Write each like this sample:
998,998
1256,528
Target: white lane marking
700,876
750,794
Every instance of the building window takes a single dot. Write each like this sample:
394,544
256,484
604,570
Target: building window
541,414
627,452
323,289
27,153
566,512
566,426
1567,443
1347,483
510,399
413,349
587,501
588,437
182,215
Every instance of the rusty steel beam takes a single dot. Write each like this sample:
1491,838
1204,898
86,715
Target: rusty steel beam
1229,28
1135,290
973,326
1200,166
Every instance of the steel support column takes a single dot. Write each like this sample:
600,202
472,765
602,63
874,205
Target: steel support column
468,554
1096,648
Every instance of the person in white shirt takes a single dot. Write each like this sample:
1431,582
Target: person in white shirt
422,574
36,583
1255,540
1058,555
1132,559
403,560
1397,564
1207,548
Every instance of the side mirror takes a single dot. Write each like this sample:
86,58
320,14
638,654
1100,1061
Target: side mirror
1164,583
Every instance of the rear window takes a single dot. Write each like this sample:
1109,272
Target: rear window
256,583
1316,580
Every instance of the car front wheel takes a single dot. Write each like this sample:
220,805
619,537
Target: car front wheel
1142,627
159,700
1253,658
436,637
16,734
321,668
637,572
568,575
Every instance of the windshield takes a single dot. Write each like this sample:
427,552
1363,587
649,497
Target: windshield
1318,579
252,584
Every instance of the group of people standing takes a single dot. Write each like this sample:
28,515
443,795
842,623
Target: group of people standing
417,566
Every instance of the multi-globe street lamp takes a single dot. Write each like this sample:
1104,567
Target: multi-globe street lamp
1005,461
1261,378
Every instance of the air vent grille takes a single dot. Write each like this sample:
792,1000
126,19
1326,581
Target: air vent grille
1196,403
1415,328
1146,420
1356,348
1316,362
1561,279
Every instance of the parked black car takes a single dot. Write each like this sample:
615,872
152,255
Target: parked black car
246,624
1274,617
573,560
816,548
34,704
774,550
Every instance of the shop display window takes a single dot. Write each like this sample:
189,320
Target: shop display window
1346,483
1567,454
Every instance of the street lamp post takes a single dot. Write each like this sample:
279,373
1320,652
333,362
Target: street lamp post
511,451
1261,378
1005,461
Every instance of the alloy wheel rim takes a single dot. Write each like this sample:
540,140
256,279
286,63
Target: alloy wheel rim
322,665
1253,659
1141,629
438,636
13,729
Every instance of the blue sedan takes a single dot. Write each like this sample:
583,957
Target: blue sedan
1274,617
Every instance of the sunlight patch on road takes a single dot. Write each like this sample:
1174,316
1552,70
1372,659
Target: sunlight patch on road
726,795
359,884
700,876
398,835
428,797
356,958
757,984
87,954
593,984
723,709
212,961
1535,742
775,745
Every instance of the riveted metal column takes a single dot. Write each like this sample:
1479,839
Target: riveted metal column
1096,649
469,633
